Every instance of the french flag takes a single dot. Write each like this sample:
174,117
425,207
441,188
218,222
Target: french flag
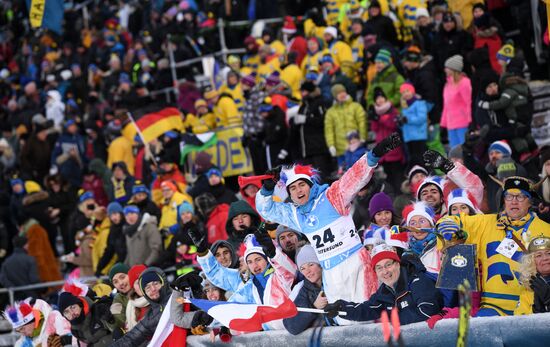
245,317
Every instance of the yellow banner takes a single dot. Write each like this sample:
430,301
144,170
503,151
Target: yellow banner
229,154
36,12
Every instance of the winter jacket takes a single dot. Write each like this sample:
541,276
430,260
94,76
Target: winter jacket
216,223
414,296
83,259
226,112
350,157
383,28
70,168
55,109
449,43
116,246
307,293
513,99
383,127
308,139
145,244
489,38
298,44
526,301
98,324
118,309
457,103
236,94
121,191
35,157
428,84
276,134
35,205
19,269
147,206
500,286
253,122
96,186
342,118
228,279
280,274
145,329
464,8
389,80
236,208
169,211
222,194
121,150
176,176
332,77
416,127
292,76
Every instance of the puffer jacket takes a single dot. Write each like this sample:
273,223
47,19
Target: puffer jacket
145,244
389,80
96,328
383,127
342,118
415,297
416,127
513,99
144,330
457,103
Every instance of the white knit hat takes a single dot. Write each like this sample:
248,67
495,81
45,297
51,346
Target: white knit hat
455,63
252,246
305,255
461,196
422,12
332,31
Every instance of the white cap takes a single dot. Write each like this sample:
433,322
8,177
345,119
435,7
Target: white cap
66,74
332,31
422,12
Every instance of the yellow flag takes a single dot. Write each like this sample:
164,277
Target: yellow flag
36,12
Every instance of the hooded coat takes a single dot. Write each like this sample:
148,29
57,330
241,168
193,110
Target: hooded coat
98,324
236,208
308,139
414,296
342,118
389,80
145,329
144,244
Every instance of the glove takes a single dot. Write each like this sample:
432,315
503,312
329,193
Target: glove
448,228
435,318
387,145
201,318
332,151
484,105
188,281
541,291
269,184
300,119
331,310
402,120
265,240
199,239
437,161
54,341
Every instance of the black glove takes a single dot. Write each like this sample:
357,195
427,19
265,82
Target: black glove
402,120
189,129
201,318
267,243
331,310
372,115
188,281
436,161
541,291
387,145
269,184
199,239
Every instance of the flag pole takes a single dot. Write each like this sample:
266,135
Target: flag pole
138,130
315,310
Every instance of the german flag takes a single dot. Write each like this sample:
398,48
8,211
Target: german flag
153,124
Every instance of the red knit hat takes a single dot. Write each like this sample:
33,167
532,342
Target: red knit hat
381,252
135,272
289,26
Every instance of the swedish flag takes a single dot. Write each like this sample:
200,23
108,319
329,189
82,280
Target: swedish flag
46,14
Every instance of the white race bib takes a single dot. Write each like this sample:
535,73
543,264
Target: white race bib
335,239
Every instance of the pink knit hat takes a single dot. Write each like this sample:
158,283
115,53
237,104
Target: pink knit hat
407,86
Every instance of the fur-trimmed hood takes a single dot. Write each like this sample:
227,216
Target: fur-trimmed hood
32,198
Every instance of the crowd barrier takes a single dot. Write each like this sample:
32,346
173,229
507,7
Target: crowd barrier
524,331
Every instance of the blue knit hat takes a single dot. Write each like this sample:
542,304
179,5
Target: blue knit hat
185,207
130,209
85,196
502,147
139,187
15,181
383,56
114,207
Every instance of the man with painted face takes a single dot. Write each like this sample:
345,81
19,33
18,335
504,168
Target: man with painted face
501,240
404,287
322,214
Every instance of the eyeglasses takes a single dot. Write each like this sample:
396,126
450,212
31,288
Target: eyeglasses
379,268
519,197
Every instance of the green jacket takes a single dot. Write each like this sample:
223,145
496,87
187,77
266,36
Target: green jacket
342,118
389,80
118,309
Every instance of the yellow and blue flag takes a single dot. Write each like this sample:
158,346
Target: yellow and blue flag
46,14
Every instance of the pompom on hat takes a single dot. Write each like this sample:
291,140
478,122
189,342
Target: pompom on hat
289,27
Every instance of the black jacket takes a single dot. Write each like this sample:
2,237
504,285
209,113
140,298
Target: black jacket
415,297
384,29
428,85
448,43
303,320
20,269
96,328
116,245
308,139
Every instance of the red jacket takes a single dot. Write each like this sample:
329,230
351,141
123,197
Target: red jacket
383,127
493,44
298,44
96,186
216,223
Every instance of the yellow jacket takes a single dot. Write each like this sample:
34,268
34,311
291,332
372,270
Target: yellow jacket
100,243
464,7
312,30
278,47
267,68
236,93
310,60
226,112
292,75
169,210
121,150
251,61
341,53
526,301
406,11
199,125
357,46
500,288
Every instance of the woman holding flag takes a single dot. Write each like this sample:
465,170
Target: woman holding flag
322,213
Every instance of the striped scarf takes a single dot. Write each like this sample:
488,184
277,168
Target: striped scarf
507,225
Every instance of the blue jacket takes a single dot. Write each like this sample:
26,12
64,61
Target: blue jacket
351,157
415,297
68,167
416,128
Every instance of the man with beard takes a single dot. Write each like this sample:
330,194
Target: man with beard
289,240
118,275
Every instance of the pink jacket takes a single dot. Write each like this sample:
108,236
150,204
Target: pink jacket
457,104
383,127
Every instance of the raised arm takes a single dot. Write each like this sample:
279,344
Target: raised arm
221,277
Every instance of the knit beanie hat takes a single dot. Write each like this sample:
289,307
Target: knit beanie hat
283,229
379,92
67,299
148,277
435,180
383,56
337,89
422,12
380,202
130,209
460,196
407,86
139,187
185,207
305,255
273,79
422,209
114,207
456,152
455,63
502,147
249,80
134,273
381,252
86,195
308,86
416,169
252,246
332,31
118,268
506,52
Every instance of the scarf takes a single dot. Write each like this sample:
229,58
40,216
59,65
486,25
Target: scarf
411,101
418,247
130,230
118,188
260,281
507,225
314,192
383,109
131,308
